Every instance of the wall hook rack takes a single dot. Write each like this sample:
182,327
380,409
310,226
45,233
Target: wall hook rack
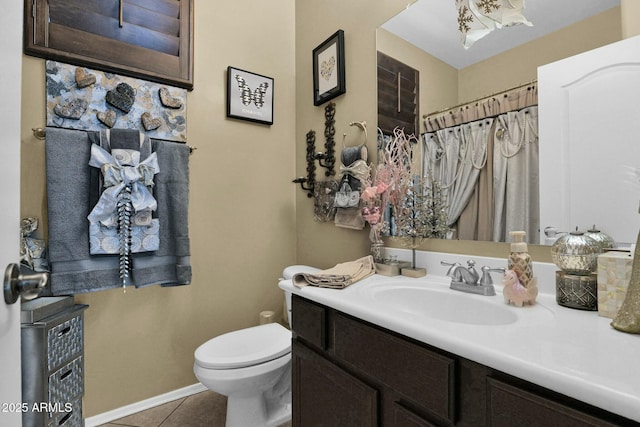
363,127
302,181
328,159
311,156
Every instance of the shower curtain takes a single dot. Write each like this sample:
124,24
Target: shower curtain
516,174
455,157
488,170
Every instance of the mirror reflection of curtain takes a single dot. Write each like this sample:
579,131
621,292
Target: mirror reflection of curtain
516,174
514,99
455,157
504,195
476,220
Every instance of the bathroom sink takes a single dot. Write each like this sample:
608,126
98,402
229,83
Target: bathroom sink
438,302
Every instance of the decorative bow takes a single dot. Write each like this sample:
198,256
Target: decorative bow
117,175
358,169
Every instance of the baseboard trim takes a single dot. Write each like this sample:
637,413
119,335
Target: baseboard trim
124,411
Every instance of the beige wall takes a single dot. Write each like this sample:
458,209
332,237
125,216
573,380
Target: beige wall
520,65
140,343
247,220
324,244
630,21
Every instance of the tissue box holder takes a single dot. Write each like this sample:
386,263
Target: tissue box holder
614,274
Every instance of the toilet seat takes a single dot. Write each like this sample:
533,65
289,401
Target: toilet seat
245,347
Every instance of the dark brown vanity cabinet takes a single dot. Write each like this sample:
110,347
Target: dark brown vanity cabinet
347,372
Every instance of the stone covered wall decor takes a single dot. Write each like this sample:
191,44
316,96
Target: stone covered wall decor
86,99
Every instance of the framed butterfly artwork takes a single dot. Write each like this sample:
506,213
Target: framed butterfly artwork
249,96
329,69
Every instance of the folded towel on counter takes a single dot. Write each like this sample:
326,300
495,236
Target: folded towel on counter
339,276
69,195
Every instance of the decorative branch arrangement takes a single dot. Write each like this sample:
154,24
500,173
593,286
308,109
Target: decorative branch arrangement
424,213
389,185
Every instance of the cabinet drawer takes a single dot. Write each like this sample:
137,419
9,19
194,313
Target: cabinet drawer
423,376
309,322
67,383
71,418
64,341
508,405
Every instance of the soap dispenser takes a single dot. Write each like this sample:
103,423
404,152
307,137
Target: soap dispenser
519,259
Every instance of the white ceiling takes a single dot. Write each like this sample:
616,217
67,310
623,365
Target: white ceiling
432,26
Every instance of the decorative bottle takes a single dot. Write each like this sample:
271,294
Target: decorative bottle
519,259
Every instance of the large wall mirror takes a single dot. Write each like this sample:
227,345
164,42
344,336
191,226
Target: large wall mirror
425,37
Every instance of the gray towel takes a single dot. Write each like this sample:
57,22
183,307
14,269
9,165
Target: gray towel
73,269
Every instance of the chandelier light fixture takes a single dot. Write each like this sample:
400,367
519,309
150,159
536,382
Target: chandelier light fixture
477,18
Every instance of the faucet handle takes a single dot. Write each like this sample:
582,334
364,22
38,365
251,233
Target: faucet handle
486,279
452,266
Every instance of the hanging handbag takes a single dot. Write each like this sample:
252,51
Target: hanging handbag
347,198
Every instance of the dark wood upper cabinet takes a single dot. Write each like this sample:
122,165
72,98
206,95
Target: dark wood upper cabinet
146,39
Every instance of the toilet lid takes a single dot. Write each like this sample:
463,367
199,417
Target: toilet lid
292,270
245,347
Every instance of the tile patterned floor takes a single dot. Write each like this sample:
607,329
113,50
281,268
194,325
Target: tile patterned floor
205,409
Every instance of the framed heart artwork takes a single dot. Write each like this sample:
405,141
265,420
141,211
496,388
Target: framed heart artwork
329,69
249,96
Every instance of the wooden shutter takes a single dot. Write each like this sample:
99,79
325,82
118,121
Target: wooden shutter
147,39
397,96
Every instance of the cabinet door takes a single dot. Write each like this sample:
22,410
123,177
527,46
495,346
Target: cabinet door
403,417
310,322
588,110
510,406
421,375
325,395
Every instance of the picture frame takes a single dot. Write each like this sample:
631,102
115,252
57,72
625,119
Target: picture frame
249,96
329,69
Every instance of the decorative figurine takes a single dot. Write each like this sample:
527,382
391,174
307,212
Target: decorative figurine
517,294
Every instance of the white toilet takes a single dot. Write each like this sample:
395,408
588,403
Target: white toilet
252,367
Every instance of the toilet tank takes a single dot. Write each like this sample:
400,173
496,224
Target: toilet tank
287,274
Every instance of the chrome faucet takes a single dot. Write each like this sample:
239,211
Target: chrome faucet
461,274
467,279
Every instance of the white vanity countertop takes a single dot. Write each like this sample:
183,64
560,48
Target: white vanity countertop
573,352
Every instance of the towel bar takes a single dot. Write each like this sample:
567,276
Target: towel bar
41,133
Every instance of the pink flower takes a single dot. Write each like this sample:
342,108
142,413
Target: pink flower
368,194
371,215
381,188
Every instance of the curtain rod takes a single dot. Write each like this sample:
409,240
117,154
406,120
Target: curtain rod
532,82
